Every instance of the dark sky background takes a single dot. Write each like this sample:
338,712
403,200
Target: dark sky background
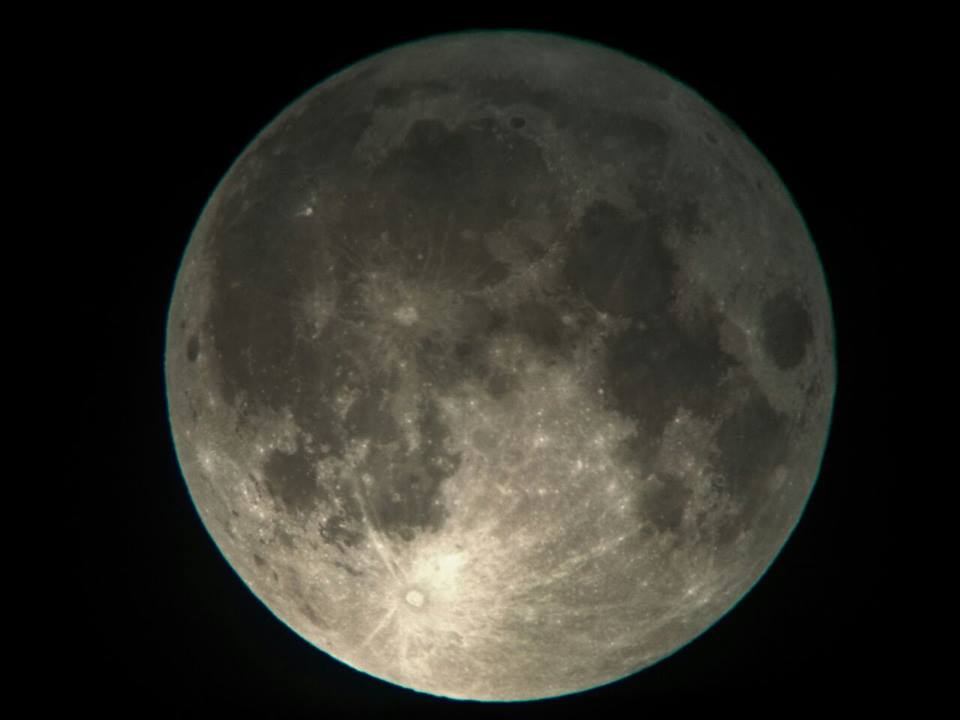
163,622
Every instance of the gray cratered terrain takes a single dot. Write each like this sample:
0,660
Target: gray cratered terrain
500,365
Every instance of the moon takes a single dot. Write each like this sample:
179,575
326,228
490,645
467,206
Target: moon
500,365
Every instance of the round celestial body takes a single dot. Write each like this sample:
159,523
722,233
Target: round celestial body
500,365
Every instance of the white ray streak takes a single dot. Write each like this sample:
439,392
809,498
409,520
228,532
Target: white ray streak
375,537
384,621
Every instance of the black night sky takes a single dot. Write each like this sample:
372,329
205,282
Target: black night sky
164,624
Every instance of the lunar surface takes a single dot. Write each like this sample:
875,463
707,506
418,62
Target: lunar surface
500,365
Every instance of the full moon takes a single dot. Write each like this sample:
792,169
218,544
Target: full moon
500,365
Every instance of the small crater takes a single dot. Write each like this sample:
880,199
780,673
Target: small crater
415,598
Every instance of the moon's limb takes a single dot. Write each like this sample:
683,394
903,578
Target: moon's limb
500,366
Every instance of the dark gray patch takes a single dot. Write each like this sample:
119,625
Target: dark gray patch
369,417
493,273
259,560
499,383
750,443
316,372
689,218
641,133
645,141
283,537
733,174
340,529
192,405
712,138
620,264
542,324
325,137
401,496
475,317
291,478
468,357
648,197
263,260
532,250
311,615
517,122
787,329
448,366
664,501
442,182
347,568
667,366
261,275
438,462
193,348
